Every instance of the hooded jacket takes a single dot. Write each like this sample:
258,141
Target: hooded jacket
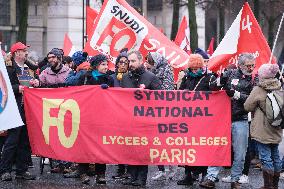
260,128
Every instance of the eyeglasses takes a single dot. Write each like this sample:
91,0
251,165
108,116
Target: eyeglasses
250,65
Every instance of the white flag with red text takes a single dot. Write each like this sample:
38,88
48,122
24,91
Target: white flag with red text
119,26
244,35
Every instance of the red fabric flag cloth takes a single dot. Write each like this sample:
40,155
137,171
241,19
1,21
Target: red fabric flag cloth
182,38
68,47
210,49
183,41
119,26
130,126
91,16
244,35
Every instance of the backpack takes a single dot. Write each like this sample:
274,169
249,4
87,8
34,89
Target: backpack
274,108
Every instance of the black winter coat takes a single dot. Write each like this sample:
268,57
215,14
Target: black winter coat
201,83
12,72
88,79
133,79
243,84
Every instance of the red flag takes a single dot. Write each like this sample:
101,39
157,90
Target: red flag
244,35
68,47
119,26
183,41
91,16
210,49
182,38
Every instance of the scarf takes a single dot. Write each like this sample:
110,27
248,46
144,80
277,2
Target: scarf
199,73
96,74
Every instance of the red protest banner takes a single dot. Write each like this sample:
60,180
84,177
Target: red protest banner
119,26
130,126
244,35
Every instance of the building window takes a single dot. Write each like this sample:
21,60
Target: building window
4,12
156,5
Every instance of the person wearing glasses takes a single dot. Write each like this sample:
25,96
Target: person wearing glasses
238,84
17,146
121,67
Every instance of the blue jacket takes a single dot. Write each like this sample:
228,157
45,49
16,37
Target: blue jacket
73,77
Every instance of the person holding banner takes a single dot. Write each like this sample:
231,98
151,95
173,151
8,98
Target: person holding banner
196,78
267,136
238,84
17,146
96,76
138,77
121,67
55,75
80,67
158,65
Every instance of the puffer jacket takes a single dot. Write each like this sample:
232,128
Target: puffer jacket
260,128
243,84
50,79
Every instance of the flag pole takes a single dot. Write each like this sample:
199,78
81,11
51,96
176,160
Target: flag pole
275,41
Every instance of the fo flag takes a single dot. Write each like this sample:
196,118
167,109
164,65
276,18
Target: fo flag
68,47
9,112
119,26
91,16
244,35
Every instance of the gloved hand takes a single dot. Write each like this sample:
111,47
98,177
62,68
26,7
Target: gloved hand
230,92
104,86
233,94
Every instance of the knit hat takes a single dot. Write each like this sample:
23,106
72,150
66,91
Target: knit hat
79,57
195,61
97,60
202,53
57,52
267,71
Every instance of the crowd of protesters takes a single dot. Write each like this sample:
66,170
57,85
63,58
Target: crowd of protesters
254,140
